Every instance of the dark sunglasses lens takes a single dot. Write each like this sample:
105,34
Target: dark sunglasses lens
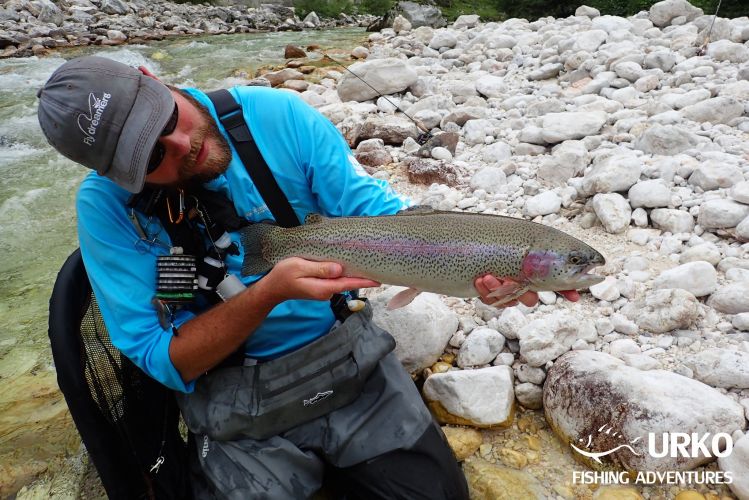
156,156
172,123
158,150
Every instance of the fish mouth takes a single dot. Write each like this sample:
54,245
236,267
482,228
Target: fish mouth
586,277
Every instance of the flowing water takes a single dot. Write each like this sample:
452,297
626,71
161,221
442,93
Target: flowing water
37,221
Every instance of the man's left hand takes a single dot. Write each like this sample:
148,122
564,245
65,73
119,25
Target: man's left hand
486,284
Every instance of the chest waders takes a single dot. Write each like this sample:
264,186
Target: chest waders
269,430
265,399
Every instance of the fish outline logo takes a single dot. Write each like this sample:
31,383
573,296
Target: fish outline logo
596,456
96,107
317,398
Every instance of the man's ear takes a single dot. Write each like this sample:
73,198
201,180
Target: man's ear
145,71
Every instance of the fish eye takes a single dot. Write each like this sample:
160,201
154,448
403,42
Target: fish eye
576,260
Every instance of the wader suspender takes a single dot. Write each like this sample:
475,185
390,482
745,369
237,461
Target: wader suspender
230,115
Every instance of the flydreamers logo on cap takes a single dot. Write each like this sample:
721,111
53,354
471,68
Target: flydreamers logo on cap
89,123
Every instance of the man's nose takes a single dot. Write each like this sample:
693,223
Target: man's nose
177,144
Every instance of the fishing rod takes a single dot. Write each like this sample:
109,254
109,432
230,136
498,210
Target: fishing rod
710,30
423,137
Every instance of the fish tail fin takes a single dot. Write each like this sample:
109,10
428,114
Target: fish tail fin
253,239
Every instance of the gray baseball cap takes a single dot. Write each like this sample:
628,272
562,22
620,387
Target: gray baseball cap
105,115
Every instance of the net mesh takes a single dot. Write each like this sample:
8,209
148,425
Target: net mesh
105,368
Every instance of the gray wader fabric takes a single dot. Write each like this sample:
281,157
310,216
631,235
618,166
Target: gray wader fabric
386,414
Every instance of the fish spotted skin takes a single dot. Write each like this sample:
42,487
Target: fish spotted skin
428,250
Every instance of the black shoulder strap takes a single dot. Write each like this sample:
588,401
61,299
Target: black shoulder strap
230,115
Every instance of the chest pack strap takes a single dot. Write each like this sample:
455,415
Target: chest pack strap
231,117
230,114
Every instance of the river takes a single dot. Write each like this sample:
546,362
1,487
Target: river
37,223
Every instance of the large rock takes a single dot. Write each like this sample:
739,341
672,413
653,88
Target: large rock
480,398
665,140
391,129
720,367
115,7
480,347
716,110
619,172
50,13
543,340
491,86
731,299
719,214
714,174
662,13
487,481
559,127
597,403
726,50
421,15
386,75
662,311
737,463
651,193
421,329
613,210
672,220
698,278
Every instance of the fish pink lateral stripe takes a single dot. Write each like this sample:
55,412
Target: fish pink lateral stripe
419,248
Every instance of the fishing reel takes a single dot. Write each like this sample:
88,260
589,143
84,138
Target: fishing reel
423,138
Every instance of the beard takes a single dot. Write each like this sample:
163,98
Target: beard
217,161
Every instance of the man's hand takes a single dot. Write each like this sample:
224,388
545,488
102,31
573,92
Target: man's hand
296,278
487,284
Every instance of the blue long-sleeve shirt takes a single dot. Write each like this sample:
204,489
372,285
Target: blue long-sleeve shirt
314,167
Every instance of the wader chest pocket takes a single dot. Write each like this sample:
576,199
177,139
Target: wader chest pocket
267,399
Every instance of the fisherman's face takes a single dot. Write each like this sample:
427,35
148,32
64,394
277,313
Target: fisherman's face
195,150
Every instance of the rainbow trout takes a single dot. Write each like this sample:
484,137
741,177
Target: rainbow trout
432,251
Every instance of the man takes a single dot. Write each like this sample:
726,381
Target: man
136,132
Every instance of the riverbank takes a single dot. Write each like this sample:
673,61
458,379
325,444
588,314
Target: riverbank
35,27
629,133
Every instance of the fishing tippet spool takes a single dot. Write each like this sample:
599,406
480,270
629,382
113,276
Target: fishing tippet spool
176,280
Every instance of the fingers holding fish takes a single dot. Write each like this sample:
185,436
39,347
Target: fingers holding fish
488,284
297,278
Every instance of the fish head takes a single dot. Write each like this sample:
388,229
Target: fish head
554,270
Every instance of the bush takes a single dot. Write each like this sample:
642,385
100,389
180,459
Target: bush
323,8
375,7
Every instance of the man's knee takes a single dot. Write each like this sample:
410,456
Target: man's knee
427,470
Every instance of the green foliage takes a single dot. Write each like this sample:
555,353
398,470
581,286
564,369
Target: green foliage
487,10
375,7
323,8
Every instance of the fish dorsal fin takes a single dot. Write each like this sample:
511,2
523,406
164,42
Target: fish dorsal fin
418,210
313,219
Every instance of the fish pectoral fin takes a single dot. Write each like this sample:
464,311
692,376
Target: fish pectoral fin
403,298
508,292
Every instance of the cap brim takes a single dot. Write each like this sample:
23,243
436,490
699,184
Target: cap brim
151,111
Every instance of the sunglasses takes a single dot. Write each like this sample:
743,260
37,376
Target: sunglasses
157,155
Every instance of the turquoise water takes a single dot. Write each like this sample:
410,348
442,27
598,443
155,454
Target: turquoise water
38,223
37,186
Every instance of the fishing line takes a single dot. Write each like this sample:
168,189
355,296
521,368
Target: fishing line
707,37
423,138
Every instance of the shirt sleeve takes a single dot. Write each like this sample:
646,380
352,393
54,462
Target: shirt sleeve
122,271
340,184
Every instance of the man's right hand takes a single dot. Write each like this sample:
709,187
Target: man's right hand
296,278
